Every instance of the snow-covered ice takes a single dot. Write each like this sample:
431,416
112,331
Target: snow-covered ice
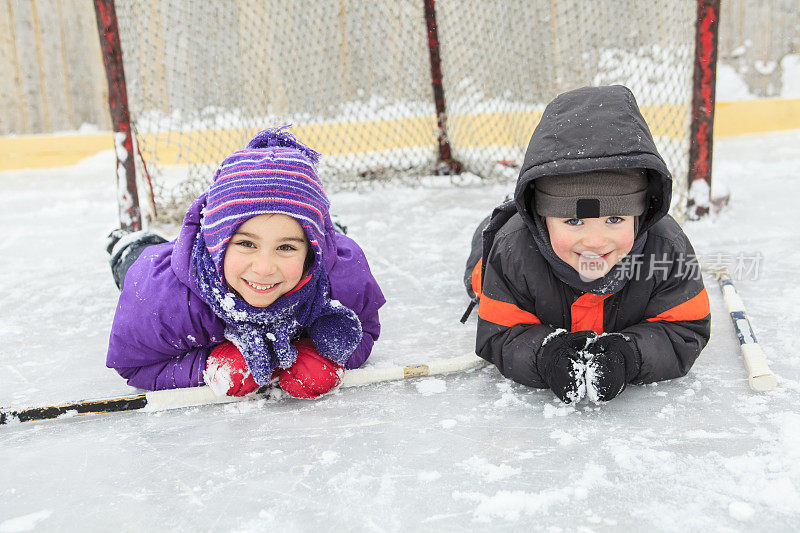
470,451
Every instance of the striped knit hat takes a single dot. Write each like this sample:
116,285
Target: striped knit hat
274,174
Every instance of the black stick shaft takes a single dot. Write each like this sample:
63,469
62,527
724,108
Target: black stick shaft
127,403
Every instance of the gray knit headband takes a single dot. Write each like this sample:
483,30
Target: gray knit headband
600,193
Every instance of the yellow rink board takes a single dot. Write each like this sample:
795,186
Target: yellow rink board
756,116
473,130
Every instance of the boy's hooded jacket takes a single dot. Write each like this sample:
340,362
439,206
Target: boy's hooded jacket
660,305
164,328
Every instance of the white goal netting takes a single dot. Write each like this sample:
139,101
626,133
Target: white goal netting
355,80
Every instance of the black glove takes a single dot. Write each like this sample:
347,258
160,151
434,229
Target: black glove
612,363
561,365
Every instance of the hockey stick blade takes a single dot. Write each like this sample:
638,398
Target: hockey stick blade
176,398
759,376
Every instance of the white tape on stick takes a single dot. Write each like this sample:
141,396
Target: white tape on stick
176,398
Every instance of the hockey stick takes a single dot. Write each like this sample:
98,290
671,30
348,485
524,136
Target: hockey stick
759,376
176,398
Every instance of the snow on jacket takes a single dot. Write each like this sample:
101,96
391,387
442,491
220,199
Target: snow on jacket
664,310
163,330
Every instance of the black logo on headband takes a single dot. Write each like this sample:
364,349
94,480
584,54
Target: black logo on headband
587,208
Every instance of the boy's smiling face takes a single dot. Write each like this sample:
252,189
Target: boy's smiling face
265,258
592,246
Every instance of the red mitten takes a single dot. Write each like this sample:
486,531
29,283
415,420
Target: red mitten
227,372
311,375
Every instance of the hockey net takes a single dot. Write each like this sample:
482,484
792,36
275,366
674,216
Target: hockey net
354,78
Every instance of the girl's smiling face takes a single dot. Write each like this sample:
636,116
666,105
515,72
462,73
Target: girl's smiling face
592,246
265,258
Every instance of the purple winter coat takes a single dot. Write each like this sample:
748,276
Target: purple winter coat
163,330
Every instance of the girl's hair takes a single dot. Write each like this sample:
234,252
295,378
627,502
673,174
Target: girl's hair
309,260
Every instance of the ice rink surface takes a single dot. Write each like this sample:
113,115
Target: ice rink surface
465,452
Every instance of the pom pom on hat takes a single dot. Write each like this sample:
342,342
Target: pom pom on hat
280,137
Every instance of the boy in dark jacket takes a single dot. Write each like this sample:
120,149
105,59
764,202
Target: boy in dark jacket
584,282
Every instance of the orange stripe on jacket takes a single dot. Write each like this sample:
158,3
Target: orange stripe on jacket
504,314
694,309
587,313
476,278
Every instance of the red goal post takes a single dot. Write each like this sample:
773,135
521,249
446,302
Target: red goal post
391,91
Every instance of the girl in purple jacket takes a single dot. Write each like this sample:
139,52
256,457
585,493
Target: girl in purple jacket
257,286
